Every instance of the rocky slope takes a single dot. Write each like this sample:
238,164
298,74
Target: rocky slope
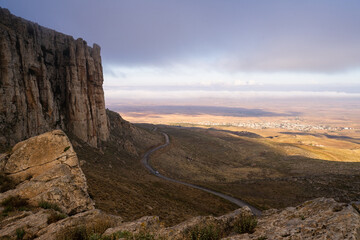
46,169
321,218
48,81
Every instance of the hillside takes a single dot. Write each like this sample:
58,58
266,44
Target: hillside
266,172
48,200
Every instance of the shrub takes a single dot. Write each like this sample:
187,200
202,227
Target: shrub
91,231
96,236
13,203
99,225
6,183
262,238
49,205
67,148
54,217
245,224
204,232
142,235
20,233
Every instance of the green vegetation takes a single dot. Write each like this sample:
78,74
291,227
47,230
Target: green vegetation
137,236
205,232
5,183
81,233
91,231
49,205
245,224
67,148
13,203
55,216
262,238
218,230
20,233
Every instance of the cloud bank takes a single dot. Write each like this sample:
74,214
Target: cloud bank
234,35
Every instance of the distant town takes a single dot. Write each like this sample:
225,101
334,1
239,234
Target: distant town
268,125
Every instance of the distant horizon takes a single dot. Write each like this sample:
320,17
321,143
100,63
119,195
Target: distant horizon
163,51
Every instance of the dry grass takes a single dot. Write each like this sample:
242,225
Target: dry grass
13,203
258,170
119,184
88,231
267,172
55,216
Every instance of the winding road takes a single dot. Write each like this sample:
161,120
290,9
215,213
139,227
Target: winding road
145,162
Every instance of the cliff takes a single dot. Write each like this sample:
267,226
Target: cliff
48,81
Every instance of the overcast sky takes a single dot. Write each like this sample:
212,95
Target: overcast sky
223,48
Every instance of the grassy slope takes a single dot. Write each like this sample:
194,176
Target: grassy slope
120,185
258,170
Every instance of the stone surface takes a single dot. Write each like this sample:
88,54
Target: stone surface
47,168
152,225
48,81
178,232
146,224
320,218
30,222
86,218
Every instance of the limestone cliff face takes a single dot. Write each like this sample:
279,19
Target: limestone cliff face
48,81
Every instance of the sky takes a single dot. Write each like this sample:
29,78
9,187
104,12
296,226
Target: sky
167,49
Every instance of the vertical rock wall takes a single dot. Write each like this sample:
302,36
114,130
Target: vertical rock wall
48,81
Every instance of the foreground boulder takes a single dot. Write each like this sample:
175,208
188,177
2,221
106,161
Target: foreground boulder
47,169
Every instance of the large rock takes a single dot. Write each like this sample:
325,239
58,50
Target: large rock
30,222
320,218
47,169
88,218
152,225
48,81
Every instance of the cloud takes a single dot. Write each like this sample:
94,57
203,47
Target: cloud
118,95
277,35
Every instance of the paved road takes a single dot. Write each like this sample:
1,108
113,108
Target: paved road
145,162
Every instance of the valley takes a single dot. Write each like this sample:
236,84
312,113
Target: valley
269,162
172,154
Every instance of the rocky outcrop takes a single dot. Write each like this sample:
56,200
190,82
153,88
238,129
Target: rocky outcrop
48,81
92,219
320,218
47,169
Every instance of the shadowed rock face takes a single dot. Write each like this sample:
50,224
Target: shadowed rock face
48,81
